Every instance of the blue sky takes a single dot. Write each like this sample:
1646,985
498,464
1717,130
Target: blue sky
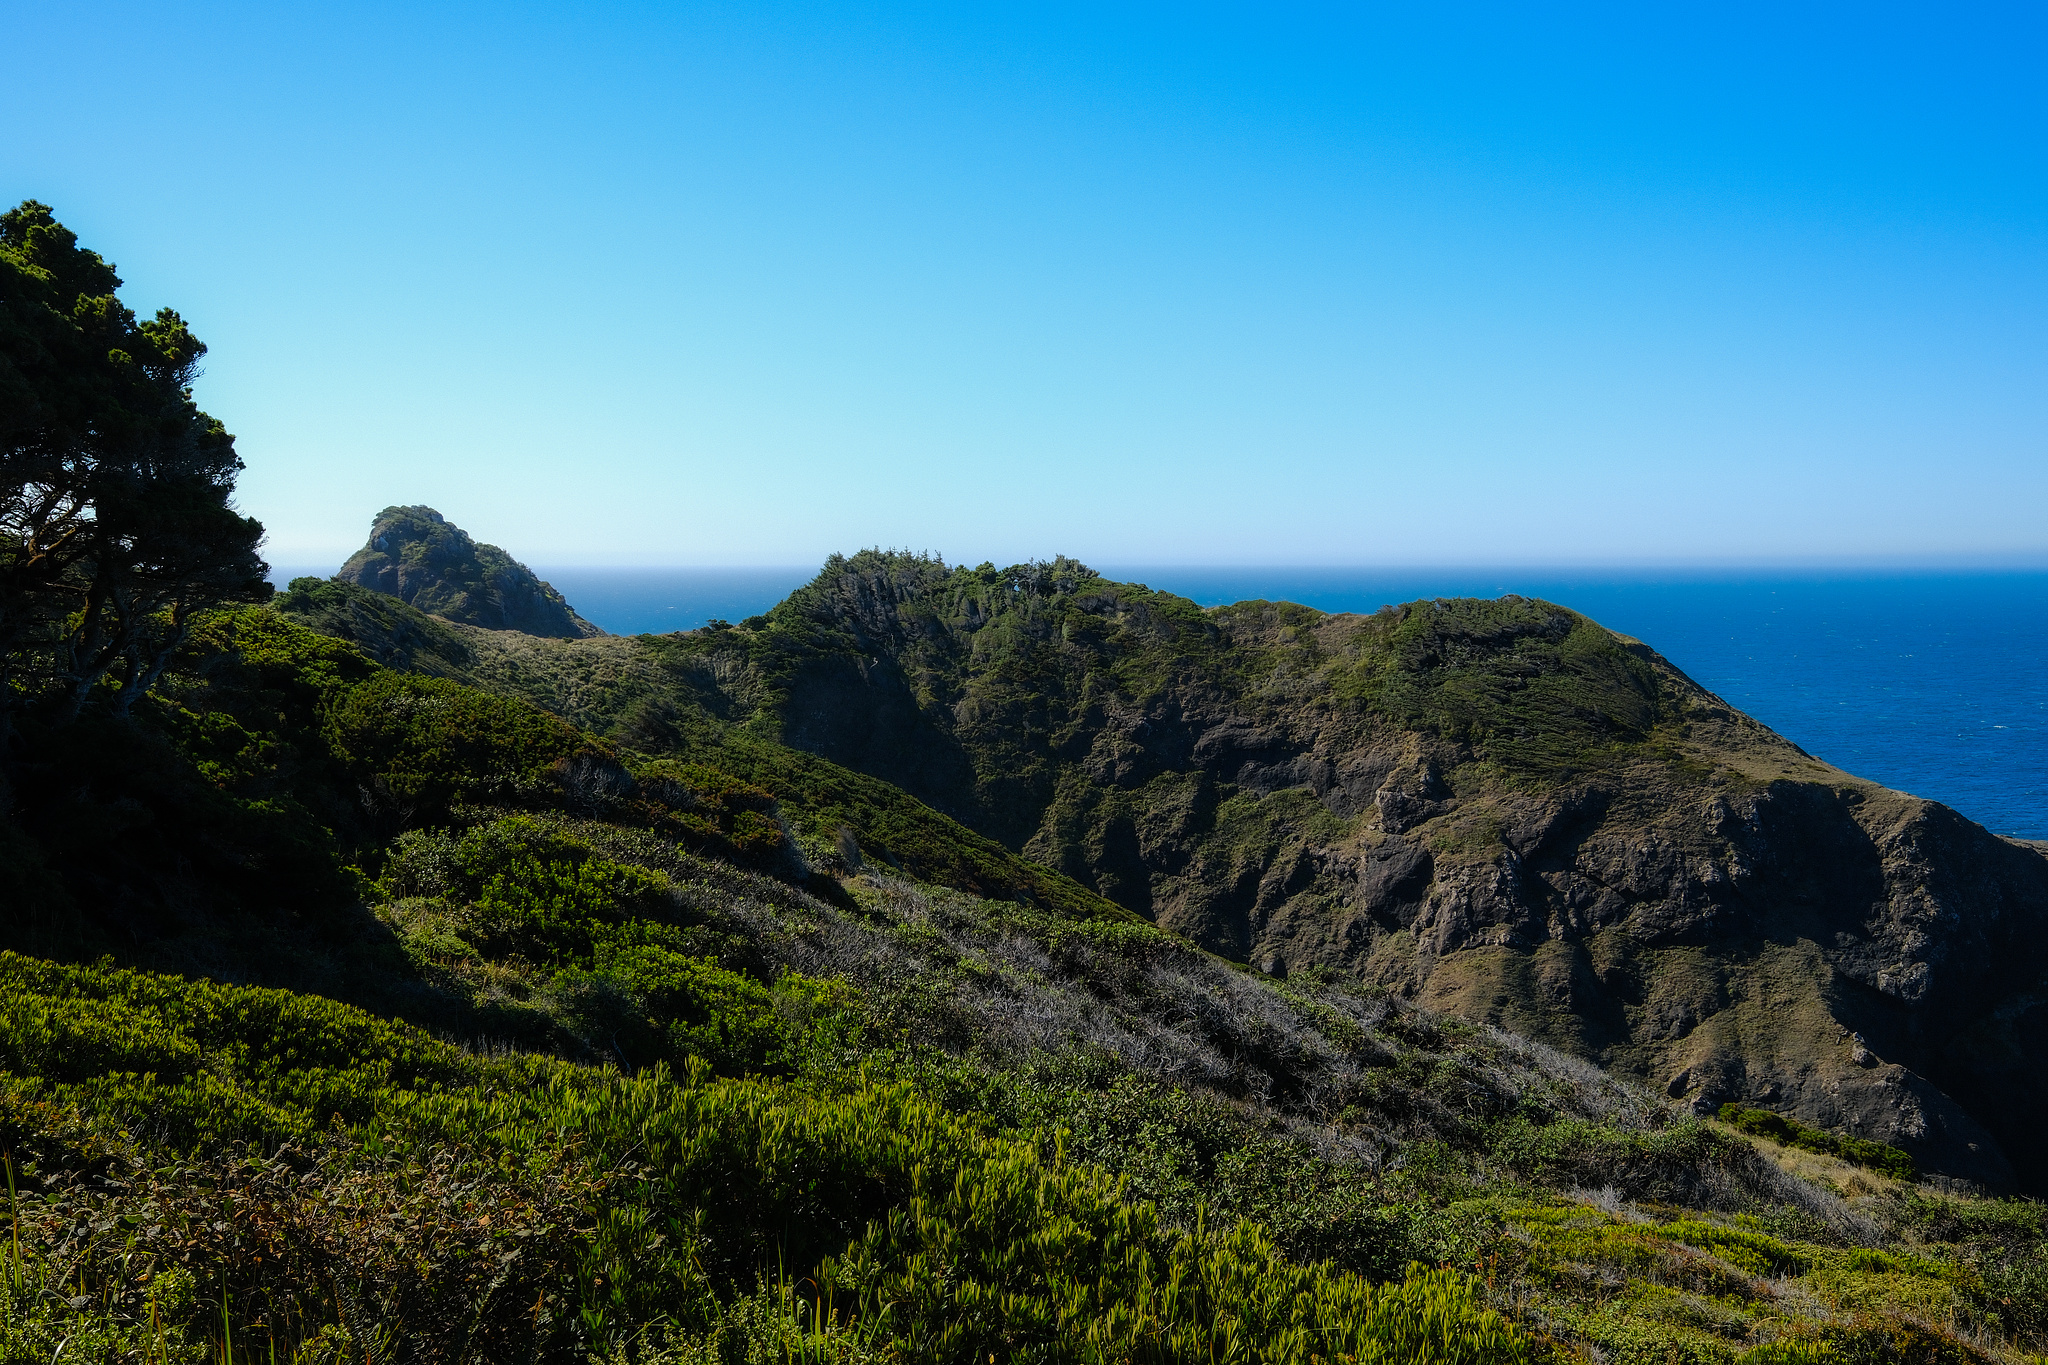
700,284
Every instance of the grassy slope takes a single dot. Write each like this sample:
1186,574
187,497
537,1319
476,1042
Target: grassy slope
511,927
619,689
522,896
1497,807
1056,714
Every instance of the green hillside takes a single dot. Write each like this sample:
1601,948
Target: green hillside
1497,809
717,1099
376,988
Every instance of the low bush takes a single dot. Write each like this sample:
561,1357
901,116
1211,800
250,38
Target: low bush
615,949
325,1247
717,811
1682,1162
885,1121
604,1206
191,1065
417,745
1878,1156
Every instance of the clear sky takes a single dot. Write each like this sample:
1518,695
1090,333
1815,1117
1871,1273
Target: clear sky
704,284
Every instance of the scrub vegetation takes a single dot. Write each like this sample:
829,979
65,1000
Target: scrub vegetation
1497,808
352,1011
536,1045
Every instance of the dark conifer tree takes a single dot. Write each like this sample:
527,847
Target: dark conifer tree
116,513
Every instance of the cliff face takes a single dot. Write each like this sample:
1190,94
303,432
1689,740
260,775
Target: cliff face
1498,808
419,557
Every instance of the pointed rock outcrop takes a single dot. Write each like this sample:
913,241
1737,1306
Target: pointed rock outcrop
426,561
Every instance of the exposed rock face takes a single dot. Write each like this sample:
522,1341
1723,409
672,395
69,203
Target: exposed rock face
419,557
1498,808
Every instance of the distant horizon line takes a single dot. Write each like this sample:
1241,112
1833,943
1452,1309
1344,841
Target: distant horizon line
309,567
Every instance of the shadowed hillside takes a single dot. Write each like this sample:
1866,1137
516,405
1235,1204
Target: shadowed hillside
714,1040
381,981
1496,808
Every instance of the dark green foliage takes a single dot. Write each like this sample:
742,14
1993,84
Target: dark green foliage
1288,788
680,1196
530,891
417,556
115,518
332,1251
767,1057
887,827
674,1191
194,1064
993,680
1535,688
382,627
861,1190
1195,1156
1779,1128
1040,1259
1352,1135
266,760
819,798
2005,1241
118,831
1018,669
417,745
1021,1057
2005,1222
718,811
1674,1164
1119,735
1057,1269
629,964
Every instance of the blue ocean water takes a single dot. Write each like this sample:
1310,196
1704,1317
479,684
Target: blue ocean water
1931,683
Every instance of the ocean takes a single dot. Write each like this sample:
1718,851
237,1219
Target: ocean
1930,683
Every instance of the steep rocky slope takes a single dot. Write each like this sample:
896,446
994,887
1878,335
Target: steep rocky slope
386,864
1500,808
418,556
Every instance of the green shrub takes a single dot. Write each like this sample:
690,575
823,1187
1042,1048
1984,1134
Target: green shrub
693,1008
1791,1351
454,1256
625,973
418,745
1670,1164
1878,1156
192,1064
1539,690
717,812
924,1232
1750,1251
897,831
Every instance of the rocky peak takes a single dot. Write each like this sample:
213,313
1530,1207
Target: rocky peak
426,561
1496,808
